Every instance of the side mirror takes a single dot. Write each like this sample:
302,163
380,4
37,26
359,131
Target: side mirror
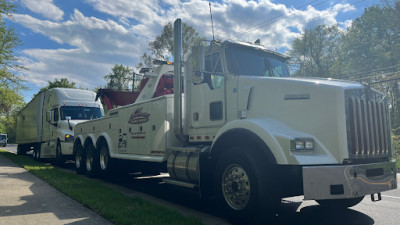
48,116
68,118
198,77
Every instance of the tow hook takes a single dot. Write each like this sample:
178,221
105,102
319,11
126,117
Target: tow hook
378,195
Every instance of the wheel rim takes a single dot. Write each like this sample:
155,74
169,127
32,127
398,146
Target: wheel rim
89,160
103,158
236,187
78,158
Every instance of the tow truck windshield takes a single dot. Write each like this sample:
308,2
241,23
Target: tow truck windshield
247,61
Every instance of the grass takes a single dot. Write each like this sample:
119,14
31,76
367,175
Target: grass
111,204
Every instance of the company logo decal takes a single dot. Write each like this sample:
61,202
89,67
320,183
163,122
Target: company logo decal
138,116
297,96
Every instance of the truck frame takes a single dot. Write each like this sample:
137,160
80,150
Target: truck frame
244,131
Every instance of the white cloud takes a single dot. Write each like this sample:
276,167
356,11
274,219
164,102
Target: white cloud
90,46
94,46
44,7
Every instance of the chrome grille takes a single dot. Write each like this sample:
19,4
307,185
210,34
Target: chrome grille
368,124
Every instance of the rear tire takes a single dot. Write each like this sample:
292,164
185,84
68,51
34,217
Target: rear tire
36,153
106,162
244,187
340,204
80,160
21,150
92,162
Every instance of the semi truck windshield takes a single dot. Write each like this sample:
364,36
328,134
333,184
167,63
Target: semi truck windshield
247,61
80,112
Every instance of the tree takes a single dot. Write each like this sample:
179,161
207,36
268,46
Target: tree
119,78
315,51
62,83
162,46
10,83
8,42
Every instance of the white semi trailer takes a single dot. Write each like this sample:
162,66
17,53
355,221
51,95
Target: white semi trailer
46,124
244,131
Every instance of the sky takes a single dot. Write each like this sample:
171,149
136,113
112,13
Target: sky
81,40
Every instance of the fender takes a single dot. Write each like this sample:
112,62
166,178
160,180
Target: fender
270,131
108,139
276,135
92,138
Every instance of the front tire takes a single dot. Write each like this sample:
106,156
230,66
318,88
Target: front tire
92,162
244,187
340,204
60,160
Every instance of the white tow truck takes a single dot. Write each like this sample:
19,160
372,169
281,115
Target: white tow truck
46,124
244,131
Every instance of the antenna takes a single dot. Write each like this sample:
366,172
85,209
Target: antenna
212,24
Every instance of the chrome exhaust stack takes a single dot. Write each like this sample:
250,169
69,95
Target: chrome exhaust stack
178,127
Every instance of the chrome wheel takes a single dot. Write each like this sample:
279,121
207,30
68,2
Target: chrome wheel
104,158
89,161
236,187
78,158
34,155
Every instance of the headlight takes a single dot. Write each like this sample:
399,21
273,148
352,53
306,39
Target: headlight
301,144
69,137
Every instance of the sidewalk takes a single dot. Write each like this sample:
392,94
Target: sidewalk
26,199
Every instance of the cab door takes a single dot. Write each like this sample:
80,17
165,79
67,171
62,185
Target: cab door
207,98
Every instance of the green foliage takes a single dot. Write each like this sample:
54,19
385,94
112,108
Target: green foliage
111,204
162,46
119,78
315,51
396,150
8,42
10,83
62,83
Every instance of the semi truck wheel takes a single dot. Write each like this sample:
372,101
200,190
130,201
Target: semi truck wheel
244,188
21,150
339,204
36,153
92,162
106,162
60,160
79,160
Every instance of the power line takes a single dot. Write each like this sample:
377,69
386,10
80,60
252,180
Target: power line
367,71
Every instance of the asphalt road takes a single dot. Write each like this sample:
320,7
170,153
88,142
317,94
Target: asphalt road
292,211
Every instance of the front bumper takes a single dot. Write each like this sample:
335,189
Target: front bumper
348,181
67,148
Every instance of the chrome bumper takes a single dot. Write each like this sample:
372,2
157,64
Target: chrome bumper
348,181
